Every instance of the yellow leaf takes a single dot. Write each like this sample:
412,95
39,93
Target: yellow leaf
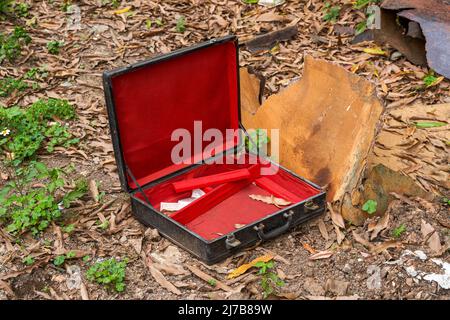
376,51
243,269
120,11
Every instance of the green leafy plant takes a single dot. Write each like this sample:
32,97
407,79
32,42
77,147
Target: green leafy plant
14,8
212,282
65,5
25,207
80,190
331,13
446,201
270,282
54,46
251,1
5,6
28,129
429,80
181,24
68,229
359,4
397,232
59,260
256,141
149,23
28,260
20,9
11,44
103,225
9,85
110,273
370,206
113,3
370,16
362,26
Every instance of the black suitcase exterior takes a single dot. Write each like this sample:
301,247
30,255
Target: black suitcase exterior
213,250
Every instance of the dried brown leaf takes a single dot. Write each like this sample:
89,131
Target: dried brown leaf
159,277
321,255
358,238
323,229
433,241
382,224
206,277
93,190
278,202
336,217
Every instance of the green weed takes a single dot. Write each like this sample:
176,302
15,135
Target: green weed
270,282
331,14
256,141
29,129
11,44
397,232
110,273
28,260
26,205
370,206
54,46
181,24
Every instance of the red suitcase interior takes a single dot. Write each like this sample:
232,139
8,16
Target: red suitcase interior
152,101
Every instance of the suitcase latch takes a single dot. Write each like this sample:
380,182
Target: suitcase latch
311,206
232,242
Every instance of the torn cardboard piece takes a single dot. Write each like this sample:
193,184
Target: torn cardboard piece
252,88
327,123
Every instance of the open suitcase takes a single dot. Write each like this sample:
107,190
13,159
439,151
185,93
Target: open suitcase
146,102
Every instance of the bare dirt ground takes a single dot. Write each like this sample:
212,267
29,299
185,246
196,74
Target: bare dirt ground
385,267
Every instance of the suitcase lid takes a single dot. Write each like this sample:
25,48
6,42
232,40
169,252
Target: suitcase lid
147,101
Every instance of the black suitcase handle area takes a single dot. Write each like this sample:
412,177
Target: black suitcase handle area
275,232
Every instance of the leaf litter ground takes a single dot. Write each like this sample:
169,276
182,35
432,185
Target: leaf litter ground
316,260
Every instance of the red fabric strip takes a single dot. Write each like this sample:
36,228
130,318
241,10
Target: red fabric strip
214,197
277,190
206,181
209,200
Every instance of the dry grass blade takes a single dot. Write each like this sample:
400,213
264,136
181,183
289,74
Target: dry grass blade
83,291
323,229
206,277
159,277
321,255
336,217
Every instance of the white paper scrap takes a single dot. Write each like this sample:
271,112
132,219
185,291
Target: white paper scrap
176,206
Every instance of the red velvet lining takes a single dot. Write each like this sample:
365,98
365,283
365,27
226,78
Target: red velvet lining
206,181
236,208
153,101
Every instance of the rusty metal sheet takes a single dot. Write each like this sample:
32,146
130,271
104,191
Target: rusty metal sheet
433,17
413,48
